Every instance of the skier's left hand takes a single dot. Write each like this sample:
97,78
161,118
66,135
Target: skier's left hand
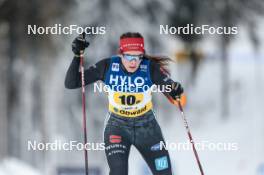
79,44
177,90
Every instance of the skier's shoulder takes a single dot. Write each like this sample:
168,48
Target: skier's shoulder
109,60
115,58
103,62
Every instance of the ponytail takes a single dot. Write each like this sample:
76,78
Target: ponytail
162,61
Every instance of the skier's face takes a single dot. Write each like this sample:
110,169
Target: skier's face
131,60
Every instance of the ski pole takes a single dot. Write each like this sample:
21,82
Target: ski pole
178,103
83,109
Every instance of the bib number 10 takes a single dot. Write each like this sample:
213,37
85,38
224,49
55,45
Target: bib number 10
127,99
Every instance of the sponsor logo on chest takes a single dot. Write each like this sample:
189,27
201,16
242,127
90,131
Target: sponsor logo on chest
115,67
143,68
126,80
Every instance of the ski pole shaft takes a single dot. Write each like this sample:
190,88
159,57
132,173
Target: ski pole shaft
84,110
190,136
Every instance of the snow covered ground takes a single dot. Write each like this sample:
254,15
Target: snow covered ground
16,167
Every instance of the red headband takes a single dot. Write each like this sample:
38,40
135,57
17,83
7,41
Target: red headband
131,44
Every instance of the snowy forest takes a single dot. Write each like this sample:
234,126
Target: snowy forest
222,75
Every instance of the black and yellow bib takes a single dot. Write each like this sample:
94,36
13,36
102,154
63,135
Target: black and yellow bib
129,95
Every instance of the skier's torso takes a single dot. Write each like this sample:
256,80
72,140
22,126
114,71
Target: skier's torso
129,94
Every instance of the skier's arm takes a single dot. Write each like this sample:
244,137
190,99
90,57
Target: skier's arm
159,77
92,74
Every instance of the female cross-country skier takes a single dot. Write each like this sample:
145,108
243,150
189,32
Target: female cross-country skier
129,76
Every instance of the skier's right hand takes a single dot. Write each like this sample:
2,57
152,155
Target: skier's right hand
79,44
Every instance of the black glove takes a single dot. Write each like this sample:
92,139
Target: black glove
78,44
177,90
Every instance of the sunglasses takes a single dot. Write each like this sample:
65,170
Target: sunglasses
133,57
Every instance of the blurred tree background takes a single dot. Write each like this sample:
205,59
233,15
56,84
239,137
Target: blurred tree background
22,52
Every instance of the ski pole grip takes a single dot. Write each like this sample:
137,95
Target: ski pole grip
82,51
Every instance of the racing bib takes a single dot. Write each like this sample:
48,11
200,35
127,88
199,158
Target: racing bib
129,95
